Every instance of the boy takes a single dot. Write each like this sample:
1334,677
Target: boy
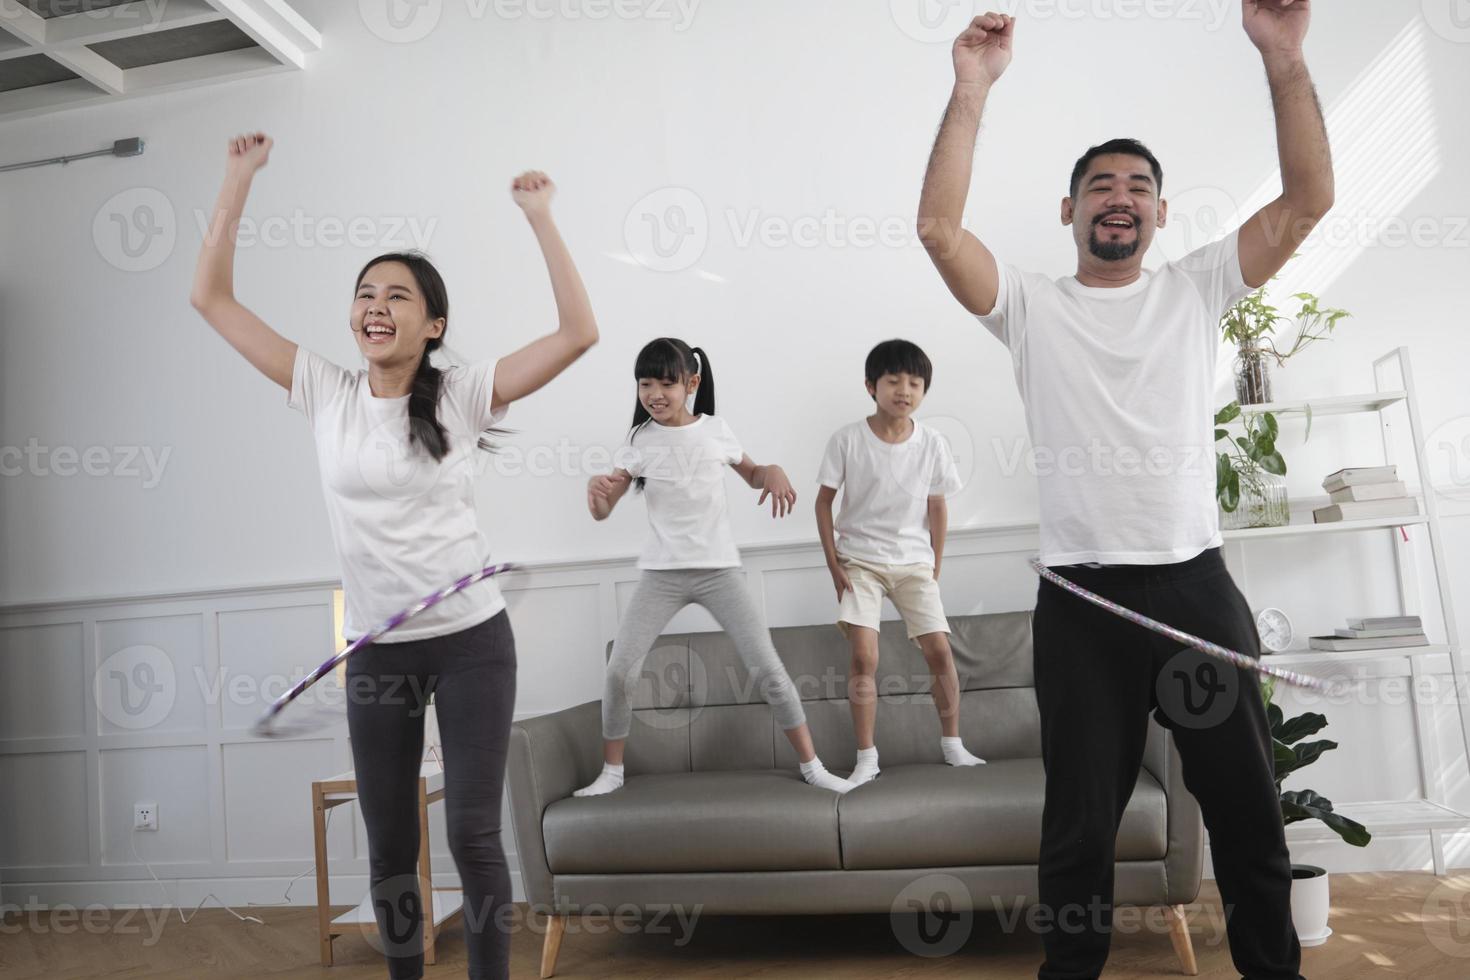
894,474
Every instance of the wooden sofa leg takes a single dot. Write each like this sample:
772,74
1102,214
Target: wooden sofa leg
555,926
1183,941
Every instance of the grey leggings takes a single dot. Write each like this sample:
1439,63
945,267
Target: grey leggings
659,595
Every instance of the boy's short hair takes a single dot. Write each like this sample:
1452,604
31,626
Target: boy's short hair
899,357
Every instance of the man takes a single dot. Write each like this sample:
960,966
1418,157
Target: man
1115,366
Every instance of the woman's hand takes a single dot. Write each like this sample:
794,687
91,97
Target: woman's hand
779,489
602,493
248,153
532,191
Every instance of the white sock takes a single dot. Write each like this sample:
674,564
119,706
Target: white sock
955,754
816,774
867,766
609,779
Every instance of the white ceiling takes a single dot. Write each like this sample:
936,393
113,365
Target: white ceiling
59,54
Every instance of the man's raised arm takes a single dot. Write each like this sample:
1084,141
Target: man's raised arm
1270,237
981,54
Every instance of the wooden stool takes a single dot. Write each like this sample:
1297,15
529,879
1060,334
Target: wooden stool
443,904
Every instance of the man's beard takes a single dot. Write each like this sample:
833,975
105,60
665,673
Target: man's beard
1111,251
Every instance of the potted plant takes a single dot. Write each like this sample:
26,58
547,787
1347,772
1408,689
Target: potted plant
1248,473
1309,889
1251,325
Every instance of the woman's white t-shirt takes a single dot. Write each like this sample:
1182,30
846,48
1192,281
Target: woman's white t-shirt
1118,385
683,467
886,488
404,525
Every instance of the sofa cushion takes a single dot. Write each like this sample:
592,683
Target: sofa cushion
751,820
935,816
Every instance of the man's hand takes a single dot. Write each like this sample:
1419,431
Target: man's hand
983,51
1276,26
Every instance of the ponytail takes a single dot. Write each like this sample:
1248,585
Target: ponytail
423,405
704,396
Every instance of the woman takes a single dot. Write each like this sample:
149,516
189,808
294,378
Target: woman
396,445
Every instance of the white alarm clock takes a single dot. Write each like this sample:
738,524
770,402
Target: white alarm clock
1274,628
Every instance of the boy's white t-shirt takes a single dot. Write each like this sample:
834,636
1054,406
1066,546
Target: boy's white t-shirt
404,525
1118,385
683,467
885,491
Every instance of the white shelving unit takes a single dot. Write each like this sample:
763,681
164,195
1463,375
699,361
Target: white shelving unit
1431,814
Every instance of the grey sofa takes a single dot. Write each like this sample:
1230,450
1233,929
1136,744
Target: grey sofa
714,814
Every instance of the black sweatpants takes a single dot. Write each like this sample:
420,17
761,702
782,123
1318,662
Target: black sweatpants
1097,678
472,675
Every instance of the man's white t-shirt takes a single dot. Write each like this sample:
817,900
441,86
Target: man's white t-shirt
1118,385
886,488
683,467
404,525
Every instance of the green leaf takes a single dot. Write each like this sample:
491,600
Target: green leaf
1273,463
1243,443
1273,717
1297,728
1229,494
1299,805
1228,413
1222,434
1269,422
1284,759
1308,752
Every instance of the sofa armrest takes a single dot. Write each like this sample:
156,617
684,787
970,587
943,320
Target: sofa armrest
550,755
1184,862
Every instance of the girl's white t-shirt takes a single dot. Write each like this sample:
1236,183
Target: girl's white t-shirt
404,525
684,471
886,488
1118,385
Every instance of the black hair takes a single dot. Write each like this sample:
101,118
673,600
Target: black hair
423,400
669,359
1123,145
898,357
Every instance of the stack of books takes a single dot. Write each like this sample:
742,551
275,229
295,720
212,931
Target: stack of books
1375,633
1366,492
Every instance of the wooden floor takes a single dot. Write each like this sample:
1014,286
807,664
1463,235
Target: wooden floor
1384,925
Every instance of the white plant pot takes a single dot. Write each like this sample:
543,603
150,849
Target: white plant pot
1310,904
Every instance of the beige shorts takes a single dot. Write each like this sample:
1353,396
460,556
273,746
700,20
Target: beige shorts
911,588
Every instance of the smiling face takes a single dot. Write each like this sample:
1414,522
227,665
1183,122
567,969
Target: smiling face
664,399
1116,210
390,317
898,395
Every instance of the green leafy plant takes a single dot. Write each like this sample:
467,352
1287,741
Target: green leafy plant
1292,754
1252,323
1247,457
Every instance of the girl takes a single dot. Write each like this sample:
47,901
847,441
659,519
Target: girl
680,458
396,446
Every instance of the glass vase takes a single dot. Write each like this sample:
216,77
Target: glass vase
1263,503
1252,377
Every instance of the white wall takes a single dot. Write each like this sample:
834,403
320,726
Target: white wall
797,113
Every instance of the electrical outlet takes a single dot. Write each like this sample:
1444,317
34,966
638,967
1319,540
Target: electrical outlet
145,816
